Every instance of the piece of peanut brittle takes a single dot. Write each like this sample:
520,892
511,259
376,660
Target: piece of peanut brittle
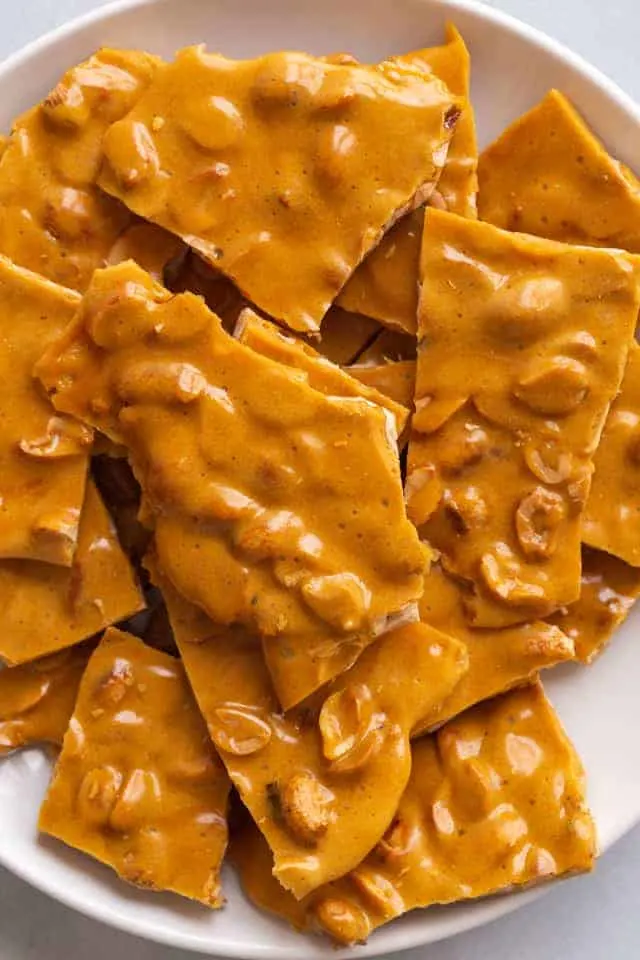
45,608
289,501
138,784
53,218
385,285
298,773
43,456
548,174
321,182
37,698
523,347
495,802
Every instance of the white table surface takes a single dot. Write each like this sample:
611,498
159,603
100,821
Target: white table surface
592,918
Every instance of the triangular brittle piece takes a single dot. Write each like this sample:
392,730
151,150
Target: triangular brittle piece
498,659
45,608
321,374
53,219
298,773
37,699
495,802
609,589
43,456
385,286
611,519
138,785
282,171
523,346
289,501
548,174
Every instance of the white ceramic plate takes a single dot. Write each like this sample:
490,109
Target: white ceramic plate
513,66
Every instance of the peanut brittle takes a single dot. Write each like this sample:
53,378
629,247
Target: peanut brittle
385,286
53,219
495,802
138,785
611,519
274,505
37,698
548,174
299,773
498,659
396,379
45,608
151,247
523,347
323,180
389,345
610,587
43,456
321,374
343,335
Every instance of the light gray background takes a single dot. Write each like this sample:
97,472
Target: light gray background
593,918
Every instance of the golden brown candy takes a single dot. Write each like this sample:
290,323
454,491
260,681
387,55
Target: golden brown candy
320,373
138,785
385,286
53,219
45,608
314,159
388,346
343,335
151,247
524,346
43,455
498,659
548,174
611,520
37,698
609,589
297,515
299,773
395,378
495,802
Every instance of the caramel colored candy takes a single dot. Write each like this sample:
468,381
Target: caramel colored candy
43,456
321,374
396,379
525,343
343,335
288,500
611,520
138,785
498,659
389,345
548,174
37,698
312,159
495,802
299,773
45,608
610,587
53,219
151,247
385,286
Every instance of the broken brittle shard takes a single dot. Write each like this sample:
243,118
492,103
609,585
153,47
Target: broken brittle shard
273,505
314,159
496,802
298,773
501,453
138,784
53,218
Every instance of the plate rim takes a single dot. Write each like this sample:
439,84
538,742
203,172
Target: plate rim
491,908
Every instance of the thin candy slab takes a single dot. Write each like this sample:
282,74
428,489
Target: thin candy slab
322,782
274,505
495,802
138,784
286,158
523,343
